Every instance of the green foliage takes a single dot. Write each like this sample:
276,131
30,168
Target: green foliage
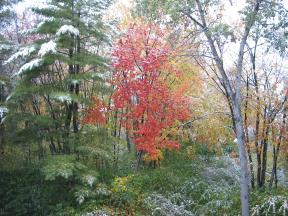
60,166
23,193
62,57
230,147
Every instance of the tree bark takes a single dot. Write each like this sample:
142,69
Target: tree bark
276,153
233,95
264,154
257,128
247,135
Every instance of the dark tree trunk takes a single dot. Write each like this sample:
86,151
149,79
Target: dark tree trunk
276,153
128,141
264,154
247,135
257,128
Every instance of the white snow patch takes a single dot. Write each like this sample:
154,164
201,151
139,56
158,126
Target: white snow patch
48,48
43,22
9,97
24,52
67,29
62,97
104,75
5,47
30,66
2,111
80,199
75,81
90,180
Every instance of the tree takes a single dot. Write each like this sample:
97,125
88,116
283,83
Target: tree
142,63
6,17
58,67
216,34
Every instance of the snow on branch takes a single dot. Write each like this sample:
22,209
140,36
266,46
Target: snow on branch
5,47
48,48
67,29
63,97
30,66
2,111
50,19
24,52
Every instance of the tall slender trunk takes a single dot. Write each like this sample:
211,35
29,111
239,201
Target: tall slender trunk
2,128
2,138
70,106
276,152
233,94
128,141
77,87
264,153
244,179
247,134
257,129
115,135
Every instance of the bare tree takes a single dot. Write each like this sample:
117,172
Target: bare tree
233,93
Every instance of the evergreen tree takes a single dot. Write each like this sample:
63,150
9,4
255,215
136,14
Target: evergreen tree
58,68
6,17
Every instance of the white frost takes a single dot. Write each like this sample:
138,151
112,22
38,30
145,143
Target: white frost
2,111
67,29
43,22
80,199
24,52
62,97
5,47
75,82
30,66
9,96
48,48
90,180
104,75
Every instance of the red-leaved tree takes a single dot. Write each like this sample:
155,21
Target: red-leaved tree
96,114
142,64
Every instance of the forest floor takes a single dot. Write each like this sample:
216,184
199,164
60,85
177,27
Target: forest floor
181,186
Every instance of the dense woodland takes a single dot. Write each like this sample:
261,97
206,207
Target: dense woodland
143,107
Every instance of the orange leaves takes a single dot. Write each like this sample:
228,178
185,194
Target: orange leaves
142,63
96,114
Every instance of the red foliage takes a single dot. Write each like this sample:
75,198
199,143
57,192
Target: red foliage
141,63
96,113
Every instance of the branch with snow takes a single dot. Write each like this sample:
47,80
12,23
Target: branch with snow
5,47
67,29
48,48
63,97
2,111
24,52
29,66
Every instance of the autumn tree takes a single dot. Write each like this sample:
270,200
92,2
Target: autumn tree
217,33
142,63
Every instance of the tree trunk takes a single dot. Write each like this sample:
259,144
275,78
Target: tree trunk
257,128
244,180
264,154
247,135
233,95
128,141
77,87
276,153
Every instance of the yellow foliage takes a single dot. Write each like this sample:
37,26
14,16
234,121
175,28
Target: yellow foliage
120,184
191,153
159,157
